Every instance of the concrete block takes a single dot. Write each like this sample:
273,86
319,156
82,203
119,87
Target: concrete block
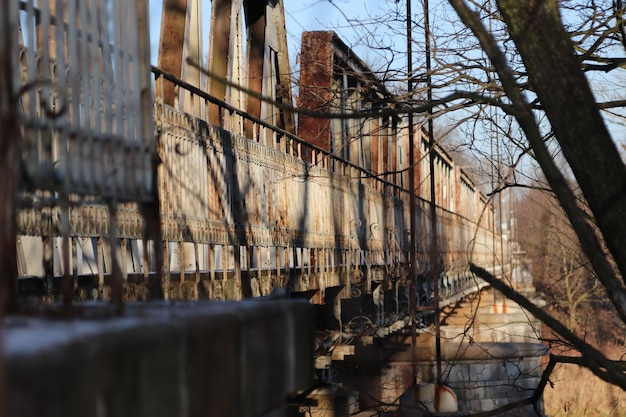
162,360
117,371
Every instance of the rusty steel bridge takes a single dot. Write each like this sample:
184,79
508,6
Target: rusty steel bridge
195,177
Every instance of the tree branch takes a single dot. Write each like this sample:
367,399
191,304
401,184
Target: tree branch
591,358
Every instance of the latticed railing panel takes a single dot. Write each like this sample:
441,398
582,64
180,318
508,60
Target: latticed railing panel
84,97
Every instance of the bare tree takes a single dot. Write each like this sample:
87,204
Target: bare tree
562,272
533,74
555,66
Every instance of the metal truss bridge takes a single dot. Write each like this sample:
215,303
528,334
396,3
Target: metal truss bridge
209,179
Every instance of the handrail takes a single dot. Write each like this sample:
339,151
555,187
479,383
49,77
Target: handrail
214,100
203,94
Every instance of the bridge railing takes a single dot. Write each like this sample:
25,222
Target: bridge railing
367,238
76,85
241,218
232,118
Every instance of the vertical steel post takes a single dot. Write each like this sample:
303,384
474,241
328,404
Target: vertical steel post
256,21
218,54
198,280
150,212
10,137
116,284
171,43
434,250
67,281
412,199
193,49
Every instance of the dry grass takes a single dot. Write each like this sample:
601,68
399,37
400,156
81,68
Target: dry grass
578,393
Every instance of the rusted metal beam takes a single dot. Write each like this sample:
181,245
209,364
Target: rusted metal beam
256,22
276,14
218,54
172,40
316,78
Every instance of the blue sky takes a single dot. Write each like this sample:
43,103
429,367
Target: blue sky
322,15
